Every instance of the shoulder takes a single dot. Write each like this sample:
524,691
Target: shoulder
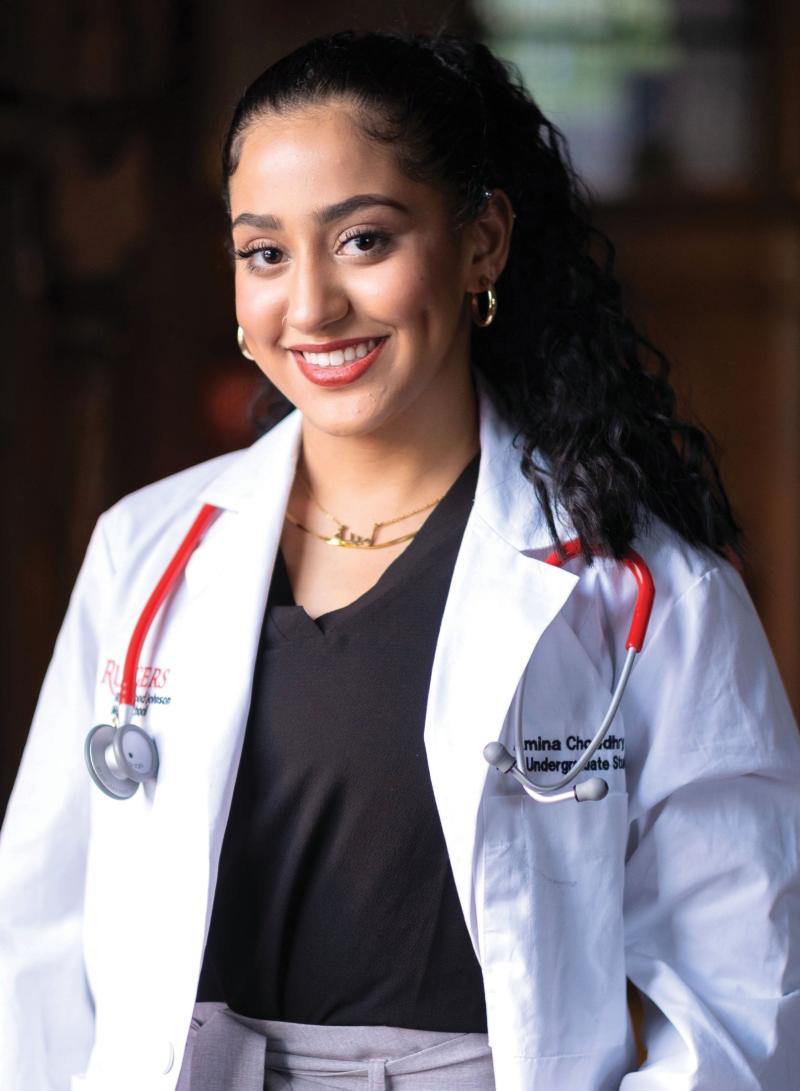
688,581
687,576
602,604
697,592
170,495
703,614
706,699
147,525
162,511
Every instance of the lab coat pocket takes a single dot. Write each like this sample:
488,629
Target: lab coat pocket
553,942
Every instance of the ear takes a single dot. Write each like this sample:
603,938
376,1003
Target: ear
490,238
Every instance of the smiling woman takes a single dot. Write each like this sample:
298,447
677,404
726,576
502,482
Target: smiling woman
331,888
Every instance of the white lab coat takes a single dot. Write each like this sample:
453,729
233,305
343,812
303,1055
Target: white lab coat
684,879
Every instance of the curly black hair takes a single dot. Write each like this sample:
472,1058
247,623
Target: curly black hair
587,393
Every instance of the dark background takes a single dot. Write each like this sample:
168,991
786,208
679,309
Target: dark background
120,363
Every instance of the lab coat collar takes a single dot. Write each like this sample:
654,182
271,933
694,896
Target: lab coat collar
250,471
504,499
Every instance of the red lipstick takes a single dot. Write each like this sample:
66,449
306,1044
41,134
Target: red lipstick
331,346
341,374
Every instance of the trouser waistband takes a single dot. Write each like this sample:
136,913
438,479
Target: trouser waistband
234,1052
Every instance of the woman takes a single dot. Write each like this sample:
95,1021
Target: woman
367,608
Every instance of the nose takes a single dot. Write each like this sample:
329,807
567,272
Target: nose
316,299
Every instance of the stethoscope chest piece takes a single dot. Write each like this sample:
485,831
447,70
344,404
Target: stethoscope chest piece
119,759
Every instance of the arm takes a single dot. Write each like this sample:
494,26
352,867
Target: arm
712,915
47,1020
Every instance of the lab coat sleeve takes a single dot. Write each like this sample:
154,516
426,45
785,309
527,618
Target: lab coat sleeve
712,904
46,1017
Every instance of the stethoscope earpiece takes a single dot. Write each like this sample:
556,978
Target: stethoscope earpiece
591,790
119,759
498,756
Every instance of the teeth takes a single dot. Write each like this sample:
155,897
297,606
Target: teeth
341,356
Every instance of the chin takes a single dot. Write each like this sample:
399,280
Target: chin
350,413
344,424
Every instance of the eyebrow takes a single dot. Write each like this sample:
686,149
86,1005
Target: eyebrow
266,222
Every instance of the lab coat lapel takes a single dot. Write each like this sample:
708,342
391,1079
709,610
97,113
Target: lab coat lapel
501,601
234,602
218,625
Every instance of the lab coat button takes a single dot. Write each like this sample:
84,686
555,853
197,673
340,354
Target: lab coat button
166,1057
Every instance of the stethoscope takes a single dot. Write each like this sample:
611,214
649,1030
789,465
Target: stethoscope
595,788
121,755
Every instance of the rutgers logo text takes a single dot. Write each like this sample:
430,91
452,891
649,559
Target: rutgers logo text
146,677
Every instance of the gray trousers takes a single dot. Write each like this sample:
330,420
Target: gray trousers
230,1052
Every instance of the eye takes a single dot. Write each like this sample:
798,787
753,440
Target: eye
365,241
258,256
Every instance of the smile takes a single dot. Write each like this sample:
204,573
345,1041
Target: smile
338,363
340,356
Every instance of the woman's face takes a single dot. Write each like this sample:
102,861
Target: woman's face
350,279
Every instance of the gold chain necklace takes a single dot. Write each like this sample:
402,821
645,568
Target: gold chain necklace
347,539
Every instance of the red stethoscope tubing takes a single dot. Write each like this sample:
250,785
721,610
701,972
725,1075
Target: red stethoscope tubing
164,587
645,588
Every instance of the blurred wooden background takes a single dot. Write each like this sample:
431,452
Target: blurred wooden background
117,307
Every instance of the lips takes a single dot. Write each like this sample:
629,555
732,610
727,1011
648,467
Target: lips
327,365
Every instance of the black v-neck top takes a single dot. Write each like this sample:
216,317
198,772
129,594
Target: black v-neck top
335,901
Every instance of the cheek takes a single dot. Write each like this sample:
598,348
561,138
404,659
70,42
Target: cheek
258,302
417,294
394,300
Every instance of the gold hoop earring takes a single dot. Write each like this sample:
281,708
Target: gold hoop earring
240,341
484,320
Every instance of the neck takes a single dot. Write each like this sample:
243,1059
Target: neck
412,460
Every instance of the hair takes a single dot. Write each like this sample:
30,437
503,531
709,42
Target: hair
587,394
